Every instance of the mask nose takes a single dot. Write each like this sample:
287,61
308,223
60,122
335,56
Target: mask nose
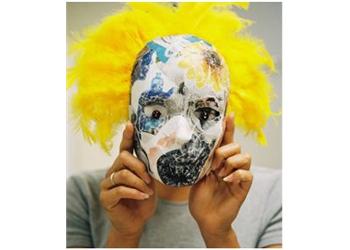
183,131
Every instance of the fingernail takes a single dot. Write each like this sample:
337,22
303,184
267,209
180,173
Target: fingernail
227,179
144,196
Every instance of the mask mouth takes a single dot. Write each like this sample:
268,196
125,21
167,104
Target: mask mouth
181,167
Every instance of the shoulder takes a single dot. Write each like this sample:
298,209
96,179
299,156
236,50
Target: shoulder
86,184
266,179
265,194
259,222
266,182
90,177
84,213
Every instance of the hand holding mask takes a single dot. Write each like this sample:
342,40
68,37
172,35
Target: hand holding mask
216,199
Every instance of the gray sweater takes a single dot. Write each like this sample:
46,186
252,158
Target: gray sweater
258,224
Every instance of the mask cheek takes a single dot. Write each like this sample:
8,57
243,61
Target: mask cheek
211,134
172,136
157,146
147,144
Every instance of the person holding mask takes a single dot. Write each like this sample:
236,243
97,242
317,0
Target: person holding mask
188,180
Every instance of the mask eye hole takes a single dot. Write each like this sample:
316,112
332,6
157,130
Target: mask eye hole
152,118
156,114
206,114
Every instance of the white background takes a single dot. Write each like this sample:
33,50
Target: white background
82,156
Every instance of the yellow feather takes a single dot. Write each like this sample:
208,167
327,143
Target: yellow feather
106,53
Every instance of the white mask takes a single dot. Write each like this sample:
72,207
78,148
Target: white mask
178,102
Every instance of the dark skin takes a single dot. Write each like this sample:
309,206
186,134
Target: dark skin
214,201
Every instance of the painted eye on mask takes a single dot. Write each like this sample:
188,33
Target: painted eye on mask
155,112
153,118
206,114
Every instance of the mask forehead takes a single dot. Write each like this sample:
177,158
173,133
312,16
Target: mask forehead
182,58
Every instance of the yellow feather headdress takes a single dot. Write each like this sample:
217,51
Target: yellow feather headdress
104,59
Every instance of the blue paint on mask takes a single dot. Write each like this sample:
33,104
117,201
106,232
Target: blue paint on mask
154,96
160,50
157,88
194,39
142,66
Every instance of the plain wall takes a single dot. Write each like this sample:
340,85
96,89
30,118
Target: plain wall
82,156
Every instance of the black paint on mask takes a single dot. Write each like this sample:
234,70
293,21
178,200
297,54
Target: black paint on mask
181,167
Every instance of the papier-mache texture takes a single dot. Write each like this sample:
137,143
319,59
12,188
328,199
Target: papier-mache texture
178,101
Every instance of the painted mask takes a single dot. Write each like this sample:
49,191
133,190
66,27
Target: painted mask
177,105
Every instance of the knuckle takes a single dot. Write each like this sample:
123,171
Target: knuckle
237,147
136,183
230,161
244,160
240,173
219,152
249,177
123,155
248,158
123,174
118,191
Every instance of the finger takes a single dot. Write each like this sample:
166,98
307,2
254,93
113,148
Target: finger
242,177
127,178
126,144
110,198
138,167
128,138
128,160
224,152
229,130
238,161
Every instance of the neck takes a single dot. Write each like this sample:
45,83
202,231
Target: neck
174,194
